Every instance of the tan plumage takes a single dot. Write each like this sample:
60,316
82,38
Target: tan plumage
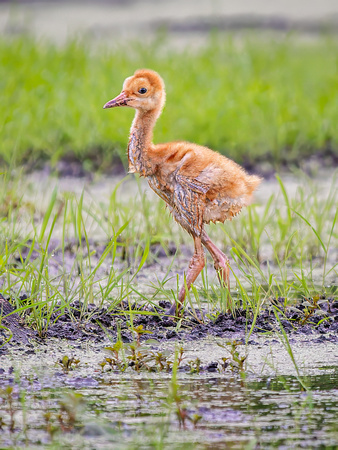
199,185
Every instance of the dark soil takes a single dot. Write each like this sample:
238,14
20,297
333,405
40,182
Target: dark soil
95,323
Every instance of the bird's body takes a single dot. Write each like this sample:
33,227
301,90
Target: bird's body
198,185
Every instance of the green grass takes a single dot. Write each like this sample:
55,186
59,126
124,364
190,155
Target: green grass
251,99
105,251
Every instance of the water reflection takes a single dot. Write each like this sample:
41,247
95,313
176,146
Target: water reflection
142,412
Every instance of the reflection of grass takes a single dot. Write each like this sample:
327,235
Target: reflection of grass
248,99
156,411
286,253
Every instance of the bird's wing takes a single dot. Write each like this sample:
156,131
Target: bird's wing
189,201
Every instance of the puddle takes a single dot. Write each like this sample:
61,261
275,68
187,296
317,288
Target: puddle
91,408
141,412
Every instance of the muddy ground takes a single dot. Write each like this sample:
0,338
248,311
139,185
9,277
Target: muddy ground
314,347
84,324
98,328
133,404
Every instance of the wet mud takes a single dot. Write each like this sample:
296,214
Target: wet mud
161,327
312,317
96,324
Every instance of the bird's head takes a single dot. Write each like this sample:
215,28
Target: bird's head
143,91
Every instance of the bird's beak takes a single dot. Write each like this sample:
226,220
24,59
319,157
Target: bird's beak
120,100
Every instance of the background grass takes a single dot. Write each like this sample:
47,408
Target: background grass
249,98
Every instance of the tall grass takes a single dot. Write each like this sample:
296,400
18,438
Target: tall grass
251,99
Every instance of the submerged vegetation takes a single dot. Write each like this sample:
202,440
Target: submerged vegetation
167,412
251,99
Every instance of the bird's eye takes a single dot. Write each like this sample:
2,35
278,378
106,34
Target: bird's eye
142,90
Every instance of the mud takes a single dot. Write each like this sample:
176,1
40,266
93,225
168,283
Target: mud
164,328
83,322
91,323
314,347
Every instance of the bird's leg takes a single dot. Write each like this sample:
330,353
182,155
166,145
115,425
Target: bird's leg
196,265
221,262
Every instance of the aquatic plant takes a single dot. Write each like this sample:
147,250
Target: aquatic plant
68,364
235,361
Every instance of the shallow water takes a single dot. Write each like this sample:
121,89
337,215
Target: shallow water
267,409
133,410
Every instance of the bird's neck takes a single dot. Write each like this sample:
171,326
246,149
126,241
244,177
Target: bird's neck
141,134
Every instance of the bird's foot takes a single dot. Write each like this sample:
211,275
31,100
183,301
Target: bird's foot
223,271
